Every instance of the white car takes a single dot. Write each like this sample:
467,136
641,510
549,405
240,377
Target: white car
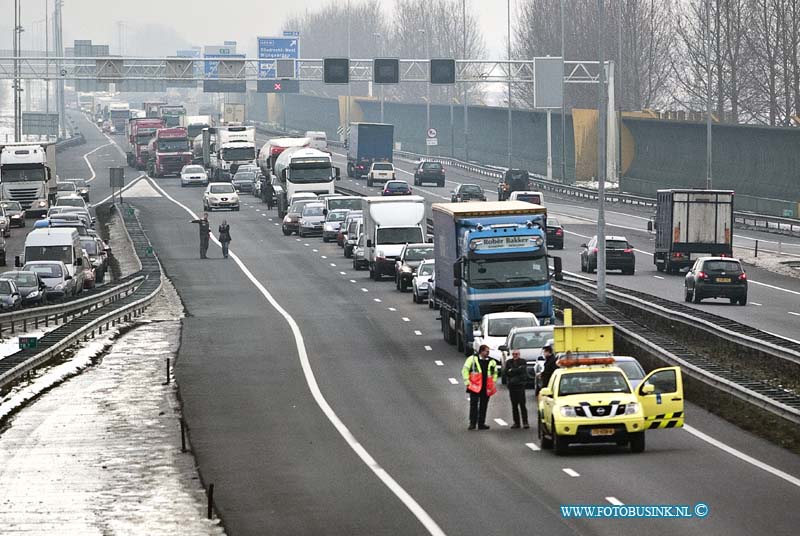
495,328
193,174
220,195
530,342
380,172
71,201
420,281
5,223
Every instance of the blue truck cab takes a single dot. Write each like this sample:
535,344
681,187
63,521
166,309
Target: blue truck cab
490,257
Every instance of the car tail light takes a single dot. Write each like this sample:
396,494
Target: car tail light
702,275
594,250
677,255
724,255
628,250
559,232
743,277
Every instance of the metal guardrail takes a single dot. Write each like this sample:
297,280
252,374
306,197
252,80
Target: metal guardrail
778,401
764,222
126,308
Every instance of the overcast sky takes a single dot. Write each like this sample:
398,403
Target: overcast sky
203,22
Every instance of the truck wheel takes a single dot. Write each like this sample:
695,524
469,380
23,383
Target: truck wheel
637,442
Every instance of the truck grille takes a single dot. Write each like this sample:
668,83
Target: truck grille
25,196
524,307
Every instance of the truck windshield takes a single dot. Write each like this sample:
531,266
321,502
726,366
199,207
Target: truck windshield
49,253
23,174
173,146
399,235
239,153
507,273
143,138
305,173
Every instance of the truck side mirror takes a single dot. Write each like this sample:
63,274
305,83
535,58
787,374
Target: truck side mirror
650,226
557,269
457,274
369,243
338,173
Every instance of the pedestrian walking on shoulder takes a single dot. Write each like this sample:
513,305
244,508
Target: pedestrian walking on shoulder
516,374
547,370
225,237
480,375
269,194
205,231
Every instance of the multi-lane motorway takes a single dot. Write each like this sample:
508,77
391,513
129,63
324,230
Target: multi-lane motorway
320,401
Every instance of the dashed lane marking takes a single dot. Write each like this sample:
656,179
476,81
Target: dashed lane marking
501,422
406,319
453,381
364,290
417,332
377,300
438,363
615,501
533,446
571,472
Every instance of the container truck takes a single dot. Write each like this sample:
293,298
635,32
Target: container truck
168,152
119,113
389,224
28,175
151,109
171,114
195,124
690,224
234,146
368,143
273,148
302,169
233,114
490,257
140,132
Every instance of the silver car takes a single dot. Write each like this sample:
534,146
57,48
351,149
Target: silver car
312,219
530,342
419,284
333,222
359,259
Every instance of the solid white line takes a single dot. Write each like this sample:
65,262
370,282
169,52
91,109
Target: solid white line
656,276
614,501
571,472
756,304
533,446
91,167
793,313
415,508
417,332
501,422
774,287
742,456
453,381
406,319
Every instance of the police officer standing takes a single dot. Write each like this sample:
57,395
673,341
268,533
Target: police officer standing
205,231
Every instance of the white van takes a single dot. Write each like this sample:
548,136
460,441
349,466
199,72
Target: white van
537,198
319,140
56,244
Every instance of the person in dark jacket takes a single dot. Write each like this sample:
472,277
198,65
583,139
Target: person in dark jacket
269,194
205,231
225,237
516,374
549,368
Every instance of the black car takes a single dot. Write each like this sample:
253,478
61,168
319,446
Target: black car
555,233
716,277
396,188
31,288
467,192
429,172
619,255
514,180
406,265
14,212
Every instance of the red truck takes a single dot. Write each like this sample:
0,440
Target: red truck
168,151
140,132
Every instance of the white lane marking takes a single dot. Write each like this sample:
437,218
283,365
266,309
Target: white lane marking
392,309
429,349
742,456
352,280
91,167
315,250
323,257
406,319
270,219
453,381
342,273
377,300
417,332
756,304
438,363
364,290
774,287
658,277
793,313
571,472
533,446
307,245
311,380
297,239
333,264
615,501
501,422
134,181
265,215
276,223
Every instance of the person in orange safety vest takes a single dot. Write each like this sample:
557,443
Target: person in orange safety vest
480,374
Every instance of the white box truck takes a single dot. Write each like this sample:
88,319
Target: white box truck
389,224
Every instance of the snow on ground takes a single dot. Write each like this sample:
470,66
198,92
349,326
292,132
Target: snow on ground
99,452
10,345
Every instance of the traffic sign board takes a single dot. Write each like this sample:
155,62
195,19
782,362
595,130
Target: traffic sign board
273,48
291,34
432,133
278,86
433,141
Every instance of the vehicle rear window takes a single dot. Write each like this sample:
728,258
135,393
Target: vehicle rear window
396,186
245,176
616,244
193,169
425,269
383,167
593,382
25,280
431,165
336,215
530,198
471,188
499,327
722,266
45,270
222,189
552,222
5,287
632,370
418,254
531,341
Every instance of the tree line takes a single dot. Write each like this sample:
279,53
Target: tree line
660,49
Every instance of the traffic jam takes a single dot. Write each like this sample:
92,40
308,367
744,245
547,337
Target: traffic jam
484,267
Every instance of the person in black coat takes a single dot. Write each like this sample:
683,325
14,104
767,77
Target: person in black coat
205,231
516,373
225,237
549,368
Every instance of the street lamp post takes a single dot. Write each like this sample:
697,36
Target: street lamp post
380,53
601,157
428,99
464,56
510,132
563,104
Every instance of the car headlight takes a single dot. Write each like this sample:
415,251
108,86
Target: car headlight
631,408
567,411
33,294
16,216
379,253
304,223
423,284
287,219
329,227
42,203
